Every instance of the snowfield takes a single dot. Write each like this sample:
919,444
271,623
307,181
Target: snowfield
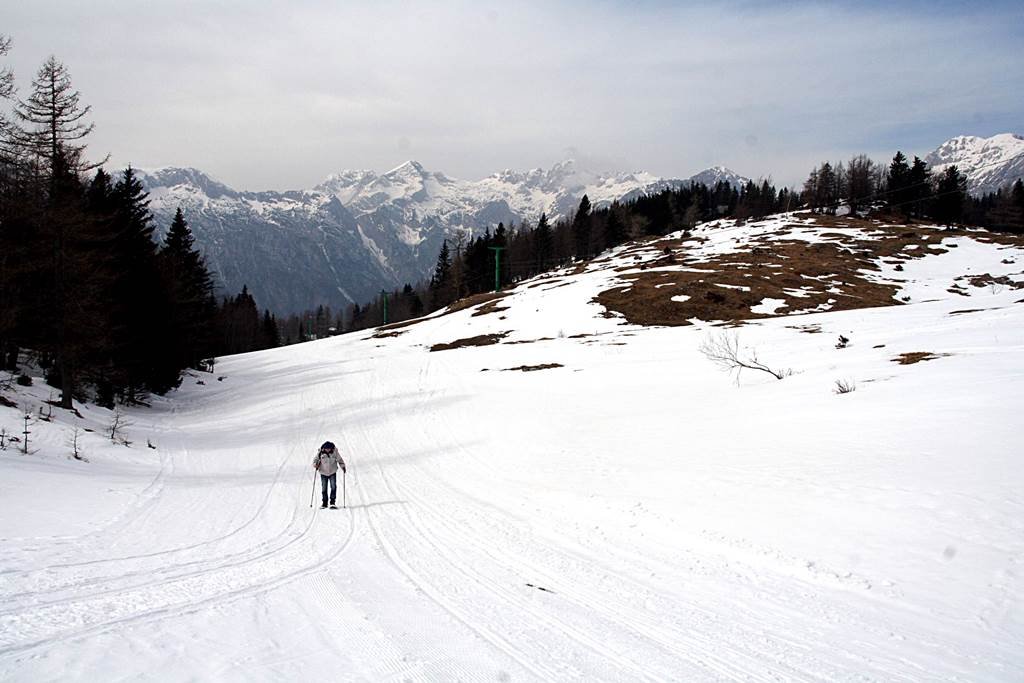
560,497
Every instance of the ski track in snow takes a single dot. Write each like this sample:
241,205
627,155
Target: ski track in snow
101,602
680,530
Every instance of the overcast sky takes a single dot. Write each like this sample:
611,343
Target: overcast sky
276,95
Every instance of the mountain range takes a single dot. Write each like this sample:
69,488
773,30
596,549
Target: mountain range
358,232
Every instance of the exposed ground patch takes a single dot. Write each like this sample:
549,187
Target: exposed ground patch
776,273
479,340
989,280
917,356
532,368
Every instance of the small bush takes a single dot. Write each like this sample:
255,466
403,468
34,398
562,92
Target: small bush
24,380
844,386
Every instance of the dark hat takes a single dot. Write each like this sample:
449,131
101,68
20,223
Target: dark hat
328,446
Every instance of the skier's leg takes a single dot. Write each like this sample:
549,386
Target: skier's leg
323,488
334,487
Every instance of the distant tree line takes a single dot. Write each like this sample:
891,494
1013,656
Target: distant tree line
910,191
107,311
471,265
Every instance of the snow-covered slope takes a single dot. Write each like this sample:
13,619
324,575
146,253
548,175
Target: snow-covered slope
359,232
989,163
561,495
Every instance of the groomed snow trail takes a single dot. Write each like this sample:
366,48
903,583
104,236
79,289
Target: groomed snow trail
633,515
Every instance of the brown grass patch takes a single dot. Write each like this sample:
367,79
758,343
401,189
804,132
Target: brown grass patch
491,306
916,357
479,340
533,368
475,300
987,280
769,268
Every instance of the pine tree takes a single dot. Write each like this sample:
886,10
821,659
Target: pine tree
1007,212
441,289
71,324
919,189
811,190
581,229
54,119
62,285
543,245
950,196
189,288
14,227
239,324
827,189
144,356
270,336
614,230
897,181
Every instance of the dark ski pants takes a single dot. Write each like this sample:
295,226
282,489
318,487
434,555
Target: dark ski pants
332,479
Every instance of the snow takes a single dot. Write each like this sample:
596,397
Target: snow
930,278
768,306
636,514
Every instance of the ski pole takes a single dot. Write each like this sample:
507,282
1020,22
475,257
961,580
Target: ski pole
313,492
344,488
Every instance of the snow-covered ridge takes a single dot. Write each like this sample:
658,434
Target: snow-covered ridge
989,163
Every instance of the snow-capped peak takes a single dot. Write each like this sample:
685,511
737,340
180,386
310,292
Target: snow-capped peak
718,174
171,176
406,168
989,163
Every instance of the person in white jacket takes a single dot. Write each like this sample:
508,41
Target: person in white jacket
327,462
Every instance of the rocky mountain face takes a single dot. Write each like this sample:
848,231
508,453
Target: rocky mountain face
358,232
988,163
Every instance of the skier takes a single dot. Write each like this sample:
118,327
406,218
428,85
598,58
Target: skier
327,462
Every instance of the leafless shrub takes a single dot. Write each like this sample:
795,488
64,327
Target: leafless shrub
845,386
76,450
724,351
118,424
